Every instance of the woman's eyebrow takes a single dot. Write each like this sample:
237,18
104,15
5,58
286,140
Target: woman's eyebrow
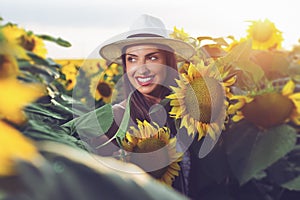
129,54
152,53
149,54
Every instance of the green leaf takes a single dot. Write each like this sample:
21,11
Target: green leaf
94,123
293,184
125,121
250,150
239,58
286,172
41,110
58,41
40,131
67,173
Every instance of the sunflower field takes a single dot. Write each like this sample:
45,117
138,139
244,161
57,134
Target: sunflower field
240,96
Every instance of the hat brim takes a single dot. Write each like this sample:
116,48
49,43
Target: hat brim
113,51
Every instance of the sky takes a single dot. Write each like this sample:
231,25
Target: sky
86,24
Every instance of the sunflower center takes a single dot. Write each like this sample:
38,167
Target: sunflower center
208,94
27,43
104,89
157,155
262,32
268,109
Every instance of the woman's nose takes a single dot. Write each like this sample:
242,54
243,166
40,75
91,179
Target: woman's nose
143,70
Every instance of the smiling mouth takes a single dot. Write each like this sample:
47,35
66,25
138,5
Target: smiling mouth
144,81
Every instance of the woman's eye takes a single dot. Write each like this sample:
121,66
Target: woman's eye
131,59
152,58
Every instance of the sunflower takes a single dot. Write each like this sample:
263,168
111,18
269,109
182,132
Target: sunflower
13,145
33,43
8,66
152,149
9,44
180,34
112,70
102,89
264,35
268,108
27,40
199,100
91,67
15,95
70,69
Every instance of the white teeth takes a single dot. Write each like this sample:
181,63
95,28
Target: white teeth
143,80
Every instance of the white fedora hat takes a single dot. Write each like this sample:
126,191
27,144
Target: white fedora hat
145,30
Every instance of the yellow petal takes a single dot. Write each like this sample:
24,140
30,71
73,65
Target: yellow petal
13,145
237,118
15,95
288,88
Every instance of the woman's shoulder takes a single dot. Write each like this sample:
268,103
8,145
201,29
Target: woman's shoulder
120,105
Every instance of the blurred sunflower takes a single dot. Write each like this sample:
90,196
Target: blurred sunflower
8,66
26,39
70,69
264,35
152,148
113,70
14,96
179,34
13,145
268,108
9,44
102,89
34,44
200,100
92,66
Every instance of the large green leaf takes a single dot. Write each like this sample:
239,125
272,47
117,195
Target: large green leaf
120,134
251,150
239,58
40,131
68,173
94,123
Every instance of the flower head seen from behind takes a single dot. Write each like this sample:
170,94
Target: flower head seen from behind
269,108
153,150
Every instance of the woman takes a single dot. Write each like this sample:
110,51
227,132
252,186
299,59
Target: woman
149,59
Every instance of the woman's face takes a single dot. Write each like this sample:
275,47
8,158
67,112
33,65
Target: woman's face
146,68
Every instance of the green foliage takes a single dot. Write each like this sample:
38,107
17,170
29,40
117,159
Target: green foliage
58,41
93,123
46,115
250,150
67,173
239,59
286,172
